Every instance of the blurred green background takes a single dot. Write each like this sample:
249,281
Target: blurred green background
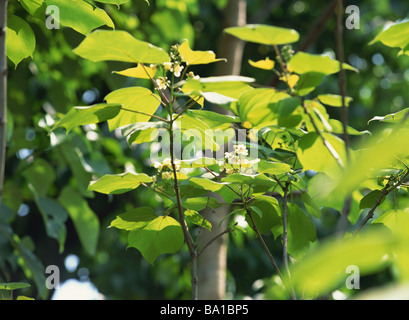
55,80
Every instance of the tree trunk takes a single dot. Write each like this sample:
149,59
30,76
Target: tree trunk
3,92
213,260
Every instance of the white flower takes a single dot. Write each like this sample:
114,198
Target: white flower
230,171
162,83
177,70
168,66
249,171
234,160
241,150
158,166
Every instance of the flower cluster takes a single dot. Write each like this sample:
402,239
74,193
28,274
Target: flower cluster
236,161
162,83
165,167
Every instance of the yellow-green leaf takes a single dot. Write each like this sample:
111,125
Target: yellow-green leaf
265,64
192,57
140,72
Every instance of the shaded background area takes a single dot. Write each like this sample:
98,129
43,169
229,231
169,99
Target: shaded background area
55,80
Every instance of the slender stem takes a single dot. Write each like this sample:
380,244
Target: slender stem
189,241
3,92
146,114
385,191
156,85
328,145
228,230
285,232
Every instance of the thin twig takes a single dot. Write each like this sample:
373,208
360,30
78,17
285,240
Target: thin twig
385,191
327,144
228,230
146,114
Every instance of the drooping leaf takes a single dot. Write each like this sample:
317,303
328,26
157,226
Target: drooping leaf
119,183
34,7
142,132
206,184
105,45
139,72
80,15
197,219
40,175
137,218
161,235
369,200
264,34
192,57
137,105
270,217
333,100
392,117
79,116
20,40
54,216
395,36
85,221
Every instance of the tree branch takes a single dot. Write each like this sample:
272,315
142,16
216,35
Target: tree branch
3,93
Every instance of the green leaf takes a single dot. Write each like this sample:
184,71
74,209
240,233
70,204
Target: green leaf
195,218
40,175
275,168
333,100
313,155
79,116
24,298
139,72
396,117
308,82
162,235
310,205
264,34
255,107
206,184
194,127
14,285
337,128
303,62
395,36
255,180
265,64
137,218
80,15
142,132
214,120
370,199
20,40
218,90
324,268
54,217
301,231
267,214
85,221
119,183
198,204
134,100
117,2
34,7
105,45
196,57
